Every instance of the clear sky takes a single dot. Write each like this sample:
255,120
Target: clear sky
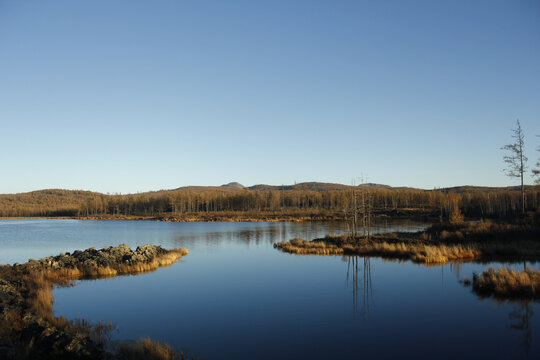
127,96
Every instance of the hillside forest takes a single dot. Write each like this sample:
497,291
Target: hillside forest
307,199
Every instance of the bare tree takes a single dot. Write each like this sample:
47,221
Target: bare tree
354,210
366,201
366,210
536,171
515,160
361,204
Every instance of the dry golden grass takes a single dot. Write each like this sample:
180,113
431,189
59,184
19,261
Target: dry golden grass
161,260
148,350
12,321
508,283
426,254
304,247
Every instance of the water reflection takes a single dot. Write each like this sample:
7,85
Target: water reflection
256,234
520,320
236,297
362,289
455,267
268,233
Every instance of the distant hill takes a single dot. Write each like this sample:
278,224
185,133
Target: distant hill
313,186
320,186
51,202
234,185
77,195
203,189
484,189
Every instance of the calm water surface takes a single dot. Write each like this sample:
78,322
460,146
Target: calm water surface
235,297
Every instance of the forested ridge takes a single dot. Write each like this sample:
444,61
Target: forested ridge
303,198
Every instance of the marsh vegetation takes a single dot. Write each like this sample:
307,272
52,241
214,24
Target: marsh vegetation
439,244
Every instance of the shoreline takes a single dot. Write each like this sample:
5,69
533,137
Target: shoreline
234,217
28,328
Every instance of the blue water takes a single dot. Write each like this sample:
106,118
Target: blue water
236,297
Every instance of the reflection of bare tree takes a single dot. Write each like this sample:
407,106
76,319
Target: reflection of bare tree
520,320
361,286
456,266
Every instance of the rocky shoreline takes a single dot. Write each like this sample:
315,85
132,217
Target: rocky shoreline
28,329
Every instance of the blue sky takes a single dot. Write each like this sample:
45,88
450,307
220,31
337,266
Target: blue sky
127,96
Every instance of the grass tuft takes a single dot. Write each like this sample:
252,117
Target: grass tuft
507,283
146,349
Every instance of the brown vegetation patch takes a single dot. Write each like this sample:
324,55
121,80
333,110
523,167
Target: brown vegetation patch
426,254
507,283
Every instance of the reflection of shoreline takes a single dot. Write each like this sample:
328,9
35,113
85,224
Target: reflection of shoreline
256,234
272,232
360,286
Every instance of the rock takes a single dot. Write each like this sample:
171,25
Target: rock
7,350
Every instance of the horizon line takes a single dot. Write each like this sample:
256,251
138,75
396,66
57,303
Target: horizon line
261,184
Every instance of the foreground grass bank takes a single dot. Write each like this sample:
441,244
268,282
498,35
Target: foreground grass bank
28,328
439,244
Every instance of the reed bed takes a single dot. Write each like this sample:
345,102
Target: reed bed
507,283
426,254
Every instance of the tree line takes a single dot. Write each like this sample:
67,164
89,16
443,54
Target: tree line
484,203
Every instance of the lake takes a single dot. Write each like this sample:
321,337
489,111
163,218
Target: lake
236,297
